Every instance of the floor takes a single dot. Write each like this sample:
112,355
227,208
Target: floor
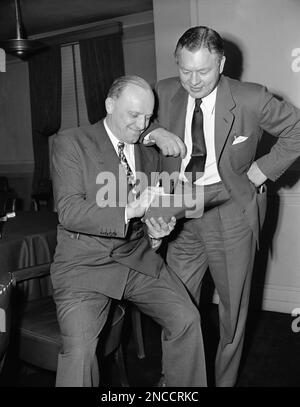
271,355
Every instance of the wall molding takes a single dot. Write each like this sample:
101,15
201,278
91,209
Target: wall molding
130,25
81,32
140,30
280,298
290,198
275,298
134,40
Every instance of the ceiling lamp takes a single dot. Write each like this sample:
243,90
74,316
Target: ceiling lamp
21,47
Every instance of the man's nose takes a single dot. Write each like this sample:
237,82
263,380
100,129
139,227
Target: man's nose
141,123
195,78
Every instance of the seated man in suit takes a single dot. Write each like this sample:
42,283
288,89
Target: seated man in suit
104,249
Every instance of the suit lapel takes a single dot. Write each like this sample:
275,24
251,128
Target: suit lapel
110,163
178,112
102,151
224,116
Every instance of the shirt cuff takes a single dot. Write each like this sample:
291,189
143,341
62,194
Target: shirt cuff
155,243
147,140
126,219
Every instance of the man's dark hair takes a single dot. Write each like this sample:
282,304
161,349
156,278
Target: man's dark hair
200,37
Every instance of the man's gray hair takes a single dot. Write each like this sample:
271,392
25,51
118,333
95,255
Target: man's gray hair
122,82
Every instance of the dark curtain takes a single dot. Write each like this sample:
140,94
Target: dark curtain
45,98
101,62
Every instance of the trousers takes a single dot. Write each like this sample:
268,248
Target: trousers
82,316
222,242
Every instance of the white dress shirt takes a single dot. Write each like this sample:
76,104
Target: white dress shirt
128,148
211,173
128,151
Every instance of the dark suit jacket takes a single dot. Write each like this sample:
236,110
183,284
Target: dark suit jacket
107,248
242,109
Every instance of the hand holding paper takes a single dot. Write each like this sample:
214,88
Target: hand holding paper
187,201
159,228
138,206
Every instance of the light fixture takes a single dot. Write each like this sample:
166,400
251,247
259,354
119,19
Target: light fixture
21,47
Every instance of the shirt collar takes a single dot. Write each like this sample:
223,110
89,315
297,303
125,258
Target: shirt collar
208,101
128,148
112,137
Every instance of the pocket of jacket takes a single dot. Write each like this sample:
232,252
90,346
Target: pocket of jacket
242,154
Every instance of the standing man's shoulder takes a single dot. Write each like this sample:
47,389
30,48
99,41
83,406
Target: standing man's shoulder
243,87
249,93
168,85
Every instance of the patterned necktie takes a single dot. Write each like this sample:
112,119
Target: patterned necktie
198,156
124,162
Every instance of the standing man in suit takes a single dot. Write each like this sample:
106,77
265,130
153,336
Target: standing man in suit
231,117
104,251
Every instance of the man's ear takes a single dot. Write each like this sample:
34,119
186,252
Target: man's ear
222,63
109,105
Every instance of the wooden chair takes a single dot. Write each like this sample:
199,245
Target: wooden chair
39,340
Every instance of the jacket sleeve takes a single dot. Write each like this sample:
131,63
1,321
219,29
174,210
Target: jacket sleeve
155,123
280,119
76,211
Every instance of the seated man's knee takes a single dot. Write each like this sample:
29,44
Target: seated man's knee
80,347
185,318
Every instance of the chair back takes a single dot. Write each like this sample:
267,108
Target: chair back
5,314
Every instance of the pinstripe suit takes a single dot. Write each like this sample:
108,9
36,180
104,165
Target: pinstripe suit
100,257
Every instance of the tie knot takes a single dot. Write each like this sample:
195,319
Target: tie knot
197,104
121,145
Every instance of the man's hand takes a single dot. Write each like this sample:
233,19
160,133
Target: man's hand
168,143
158,229
137,207
255,175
